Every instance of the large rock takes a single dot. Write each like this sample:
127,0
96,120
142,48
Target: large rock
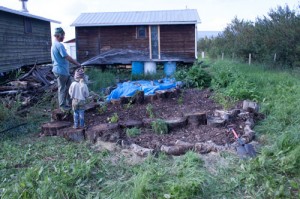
216,122
250,106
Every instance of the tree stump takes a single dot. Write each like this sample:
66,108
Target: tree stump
176,122
53,128
104,132
138,97
125,100
71,134
150,98
196,119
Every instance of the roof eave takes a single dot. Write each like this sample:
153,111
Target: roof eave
136,24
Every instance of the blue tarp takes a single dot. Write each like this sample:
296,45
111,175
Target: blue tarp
128,89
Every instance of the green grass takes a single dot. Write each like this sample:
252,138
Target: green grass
51,167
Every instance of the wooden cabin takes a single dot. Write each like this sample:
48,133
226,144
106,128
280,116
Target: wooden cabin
124,37
25,39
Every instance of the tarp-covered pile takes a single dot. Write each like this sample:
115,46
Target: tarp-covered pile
128,89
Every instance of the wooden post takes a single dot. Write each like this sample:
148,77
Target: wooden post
202,55
222,56
249,58
275,57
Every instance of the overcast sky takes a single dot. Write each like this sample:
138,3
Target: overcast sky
214,14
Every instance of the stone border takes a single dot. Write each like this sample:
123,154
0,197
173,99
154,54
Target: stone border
112,132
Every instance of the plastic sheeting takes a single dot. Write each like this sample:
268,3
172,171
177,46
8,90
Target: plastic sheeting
128,89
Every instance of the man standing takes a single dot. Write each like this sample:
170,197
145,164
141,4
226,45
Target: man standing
60,60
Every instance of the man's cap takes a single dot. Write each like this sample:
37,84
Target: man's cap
59,31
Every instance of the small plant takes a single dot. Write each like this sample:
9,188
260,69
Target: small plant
114,118
102,109
132,132
149,109
159,126
180,99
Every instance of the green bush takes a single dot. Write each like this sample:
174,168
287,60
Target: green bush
131,132
194,77
159,126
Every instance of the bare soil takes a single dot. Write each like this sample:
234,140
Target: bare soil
189,101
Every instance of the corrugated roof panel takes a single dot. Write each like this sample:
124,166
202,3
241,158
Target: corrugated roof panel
25,14
187,16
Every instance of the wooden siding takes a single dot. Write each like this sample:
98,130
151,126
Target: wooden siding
178,40
18,48
96,40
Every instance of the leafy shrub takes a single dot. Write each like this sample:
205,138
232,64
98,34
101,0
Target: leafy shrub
149,110
114,118
133,132
159,126
194,77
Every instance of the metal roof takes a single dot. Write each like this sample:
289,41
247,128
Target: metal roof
25,14
187,16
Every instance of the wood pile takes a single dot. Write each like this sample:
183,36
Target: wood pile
27,86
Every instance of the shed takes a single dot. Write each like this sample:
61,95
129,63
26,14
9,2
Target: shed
123,37
71,47
25,39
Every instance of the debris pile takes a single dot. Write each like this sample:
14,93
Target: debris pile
29,85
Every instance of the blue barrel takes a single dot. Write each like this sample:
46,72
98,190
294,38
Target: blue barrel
169,68
137,68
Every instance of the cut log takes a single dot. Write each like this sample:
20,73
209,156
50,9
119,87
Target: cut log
36,74
206,147
19,84
174,150
138,97
125,100
53,128
150,98
225,115
91,106
59,115
71,134
115,101
104,132
140,151
216,122
195,119
185,144
176,122
12,92
131,124
8,88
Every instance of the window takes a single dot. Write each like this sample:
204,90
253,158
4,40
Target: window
27,25
141,32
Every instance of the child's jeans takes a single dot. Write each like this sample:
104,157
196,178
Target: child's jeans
79,116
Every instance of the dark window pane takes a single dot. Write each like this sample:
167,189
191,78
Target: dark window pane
141,32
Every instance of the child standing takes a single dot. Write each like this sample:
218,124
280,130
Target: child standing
78,92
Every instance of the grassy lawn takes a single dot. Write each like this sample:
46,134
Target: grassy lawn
51,167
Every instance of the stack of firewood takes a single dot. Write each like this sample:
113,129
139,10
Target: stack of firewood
27,86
